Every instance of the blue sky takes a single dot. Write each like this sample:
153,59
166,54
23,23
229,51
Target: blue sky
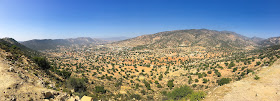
42,19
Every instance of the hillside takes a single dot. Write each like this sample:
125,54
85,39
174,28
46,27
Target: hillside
249,89
55,43
24,77
189,38
271,41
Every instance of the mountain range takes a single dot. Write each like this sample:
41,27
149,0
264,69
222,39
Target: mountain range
168,39
196,37
55,43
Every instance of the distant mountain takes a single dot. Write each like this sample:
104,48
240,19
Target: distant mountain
55,43
115,38
257,39
188,38
271,41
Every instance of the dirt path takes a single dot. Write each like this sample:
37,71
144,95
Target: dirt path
267,88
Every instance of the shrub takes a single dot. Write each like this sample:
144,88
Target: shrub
65,74
209,72
160,77
159,86
42,62
100,89
205,80
143,92
197,96
170,84
136,96
194,85
147,84
223,81
179,93
256,77
258,63
231,65
78,84
234,69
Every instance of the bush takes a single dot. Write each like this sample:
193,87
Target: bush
78,84
234,69
258,63
170,84
179,93
209,72
205,80
65,74
147,84
194,85
197,96
136,96
159,86
256,77
42,62
223,81
100,89
160,77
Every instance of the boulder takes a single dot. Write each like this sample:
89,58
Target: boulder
48,94
86,98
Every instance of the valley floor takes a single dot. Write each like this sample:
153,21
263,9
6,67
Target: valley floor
267,88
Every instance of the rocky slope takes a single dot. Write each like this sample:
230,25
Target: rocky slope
21,79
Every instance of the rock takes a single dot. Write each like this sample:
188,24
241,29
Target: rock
48,95
11,69
13,98
86,98
40,83
63,98
51,85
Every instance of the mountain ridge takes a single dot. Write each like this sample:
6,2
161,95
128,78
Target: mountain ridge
43,44
189,37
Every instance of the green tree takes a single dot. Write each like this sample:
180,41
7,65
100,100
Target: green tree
42,62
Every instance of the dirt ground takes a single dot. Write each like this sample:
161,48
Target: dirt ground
267,88
12,87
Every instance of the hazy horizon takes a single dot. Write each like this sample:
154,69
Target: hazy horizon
61,19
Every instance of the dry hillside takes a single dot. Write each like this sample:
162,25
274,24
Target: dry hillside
249,89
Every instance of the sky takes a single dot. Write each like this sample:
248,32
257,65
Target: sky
53,19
